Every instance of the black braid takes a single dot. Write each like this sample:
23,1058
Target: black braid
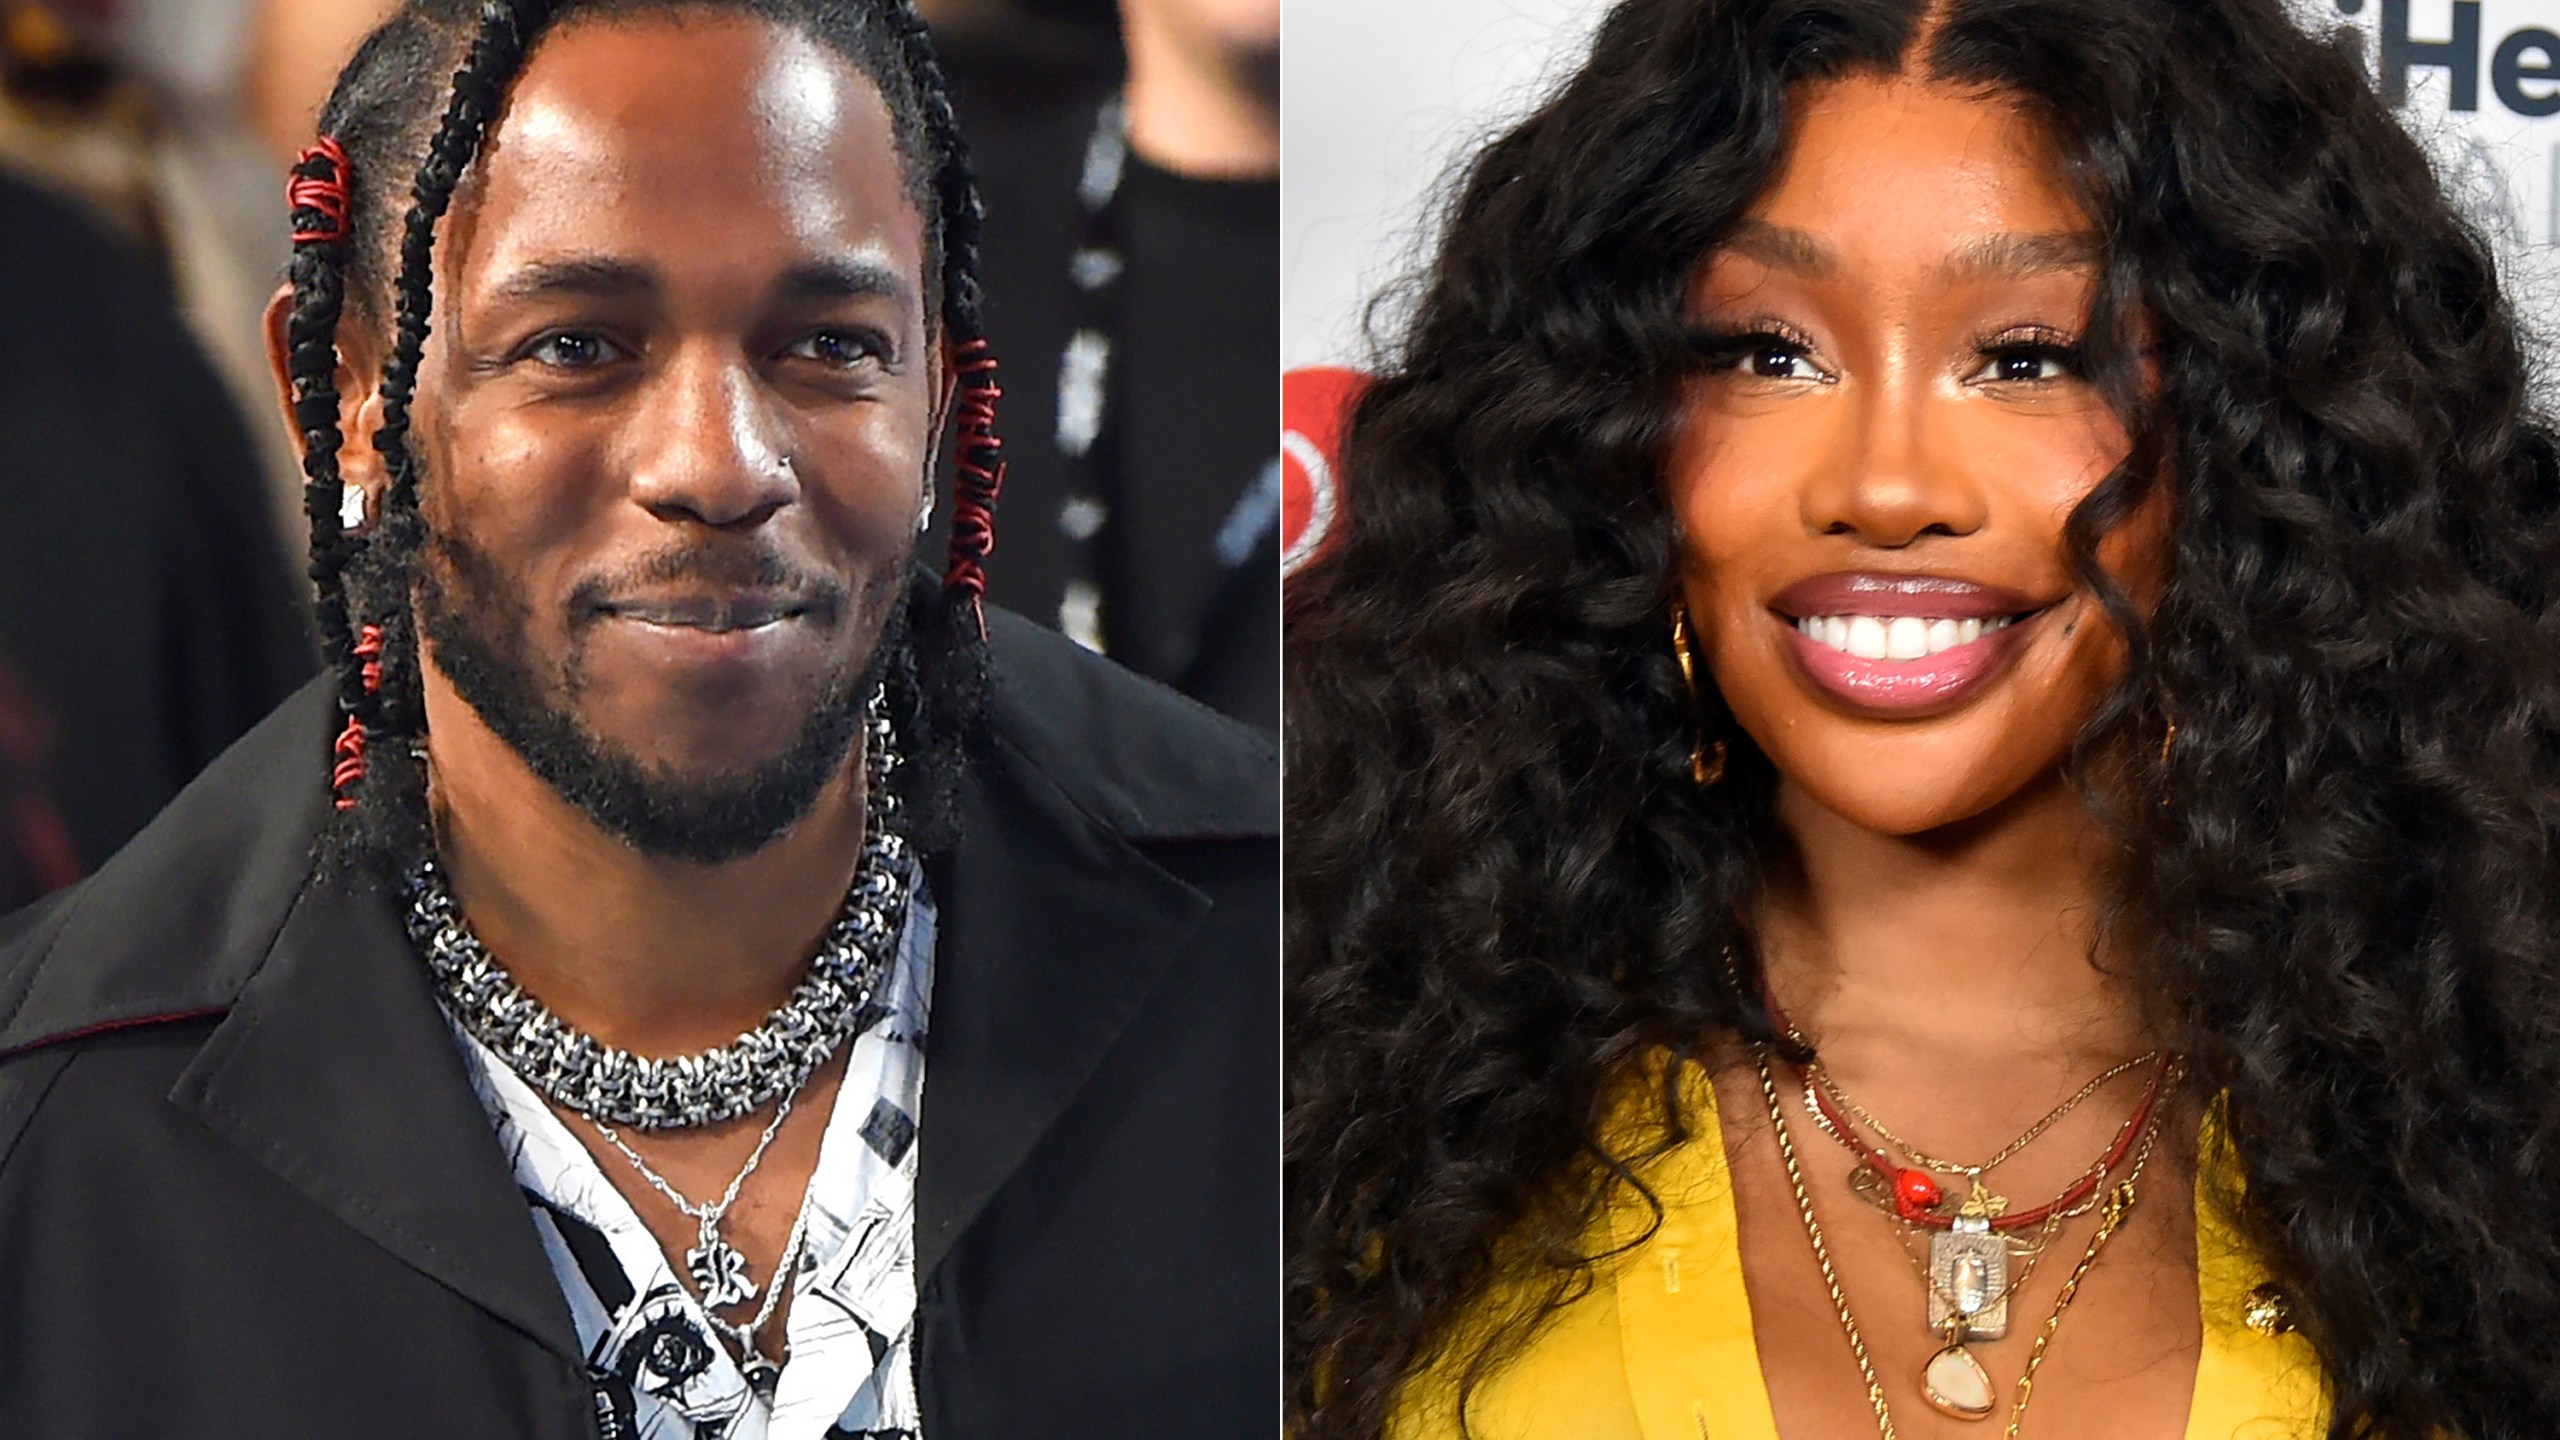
386,113
951,691
506,30
311,334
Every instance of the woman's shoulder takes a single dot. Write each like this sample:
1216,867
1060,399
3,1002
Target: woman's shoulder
1664,1299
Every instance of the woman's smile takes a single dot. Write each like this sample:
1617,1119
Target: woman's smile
1903,645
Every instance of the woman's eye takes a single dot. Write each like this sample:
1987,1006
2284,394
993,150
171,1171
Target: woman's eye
1772,358
2028,364
842,349
573,350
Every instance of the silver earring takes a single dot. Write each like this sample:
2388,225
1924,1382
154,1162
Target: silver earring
355,507
924,511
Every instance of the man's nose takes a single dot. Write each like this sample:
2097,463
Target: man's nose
711,450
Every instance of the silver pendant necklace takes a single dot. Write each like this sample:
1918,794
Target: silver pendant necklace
718,1268
613,1086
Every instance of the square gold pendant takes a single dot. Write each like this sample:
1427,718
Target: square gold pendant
1969,1279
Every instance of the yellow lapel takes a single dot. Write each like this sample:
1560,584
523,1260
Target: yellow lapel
1693,1364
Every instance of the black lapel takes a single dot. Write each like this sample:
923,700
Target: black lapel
335,1070
1051,931
1242,610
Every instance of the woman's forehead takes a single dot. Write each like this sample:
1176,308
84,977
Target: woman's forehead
1880,163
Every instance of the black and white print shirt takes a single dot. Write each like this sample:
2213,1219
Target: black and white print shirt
655,1360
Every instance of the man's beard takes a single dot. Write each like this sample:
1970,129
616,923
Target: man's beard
476,621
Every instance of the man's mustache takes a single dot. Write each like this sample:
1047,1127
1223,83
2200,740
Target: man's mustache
708,570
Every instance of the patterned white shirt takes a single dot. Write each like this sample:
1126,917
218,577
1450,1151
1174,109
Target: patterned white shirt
849,1374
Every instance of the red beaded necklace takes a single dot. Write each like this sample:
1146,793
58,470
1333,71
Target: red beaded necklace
1917,1195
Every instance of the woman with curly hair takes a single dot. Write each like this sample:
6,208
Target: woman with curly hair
1925,778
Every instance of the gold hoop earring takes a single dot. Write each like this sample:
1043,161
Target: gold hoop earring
1706,762
2168,739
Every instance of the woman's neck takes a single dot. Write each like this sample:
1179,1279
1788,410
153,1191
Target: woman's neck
1977,946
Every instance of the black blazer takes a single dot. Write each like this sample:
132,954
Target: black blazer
245,1188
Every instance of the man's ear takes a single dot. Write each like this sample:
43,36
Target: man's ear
942,380
359,381
942,376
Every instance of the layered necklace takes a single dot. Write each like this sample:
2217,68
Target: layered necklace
768,1065
1974,1252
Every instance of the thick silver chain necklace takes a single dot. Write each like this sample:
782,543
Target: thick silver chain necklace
685,1092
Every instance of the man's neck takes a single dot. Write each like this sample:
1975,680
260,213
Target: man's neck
661,957
1195,111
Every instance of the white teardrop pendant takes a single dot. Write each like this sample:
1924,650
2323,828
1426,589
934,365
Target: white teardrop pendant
1957,1385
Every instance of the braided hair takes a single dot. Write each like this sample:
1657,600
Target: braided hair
389,116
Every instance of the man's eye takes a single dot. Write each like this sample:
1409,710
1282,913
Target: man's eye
842,349
573,350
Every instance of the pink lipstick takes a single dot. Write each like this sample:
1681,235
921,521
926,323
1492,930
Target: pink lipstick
1907,646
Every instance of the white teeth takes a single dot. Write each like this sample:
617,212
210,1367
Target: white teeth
1896,637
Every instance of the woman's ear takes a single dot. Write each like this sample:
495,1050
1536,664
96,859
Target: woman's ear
359,382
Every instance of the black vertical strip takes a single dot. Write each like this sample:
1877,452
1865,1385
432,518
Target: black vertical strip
594,1254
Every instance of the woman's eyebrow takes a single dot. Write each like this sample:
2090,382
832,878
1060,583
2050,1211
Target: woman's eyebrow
2006,255
1783,247
2011,254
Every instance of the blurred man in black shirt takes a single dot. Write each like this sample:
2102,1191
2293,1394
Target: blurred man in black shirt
145,615
1133,251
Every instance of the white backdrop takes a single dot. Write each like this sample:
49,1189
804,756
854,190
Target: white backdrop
1381,97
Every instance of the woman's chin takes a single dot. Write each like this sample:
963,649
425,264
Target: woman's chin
1869,791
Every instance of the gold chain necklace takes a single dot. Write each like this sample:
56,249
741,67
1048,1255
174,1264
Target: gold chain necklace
2118,1207
1970,1270
1818,1074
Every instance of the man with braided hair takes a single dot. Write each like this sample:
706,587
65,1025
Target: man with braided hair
689,972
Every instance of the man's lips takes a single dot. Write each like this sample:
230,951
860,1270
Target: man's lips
1907,646
716,613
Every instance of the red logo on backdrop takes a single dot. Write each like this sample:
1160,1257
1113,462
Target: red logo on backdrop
1315,403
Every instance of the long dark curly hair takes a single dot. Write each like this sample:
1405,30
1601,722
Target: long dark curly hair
1504,889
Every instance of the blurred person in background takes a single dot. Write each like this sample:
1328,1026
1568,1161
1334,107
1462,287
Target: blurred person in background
1133,252
145,617
138,108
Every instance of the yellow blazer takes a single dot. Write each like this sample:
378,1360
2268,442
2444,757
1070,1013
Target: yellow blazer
1662,1348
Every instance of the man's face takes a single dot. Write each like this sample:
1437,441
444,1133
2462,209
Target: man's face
674,417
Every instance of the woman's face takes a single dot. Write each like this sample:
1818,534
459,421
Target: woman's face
1872,481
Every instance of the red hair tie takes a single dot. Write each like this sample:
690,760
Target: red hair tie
368,648
322,194
350,766
980,464
349,748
